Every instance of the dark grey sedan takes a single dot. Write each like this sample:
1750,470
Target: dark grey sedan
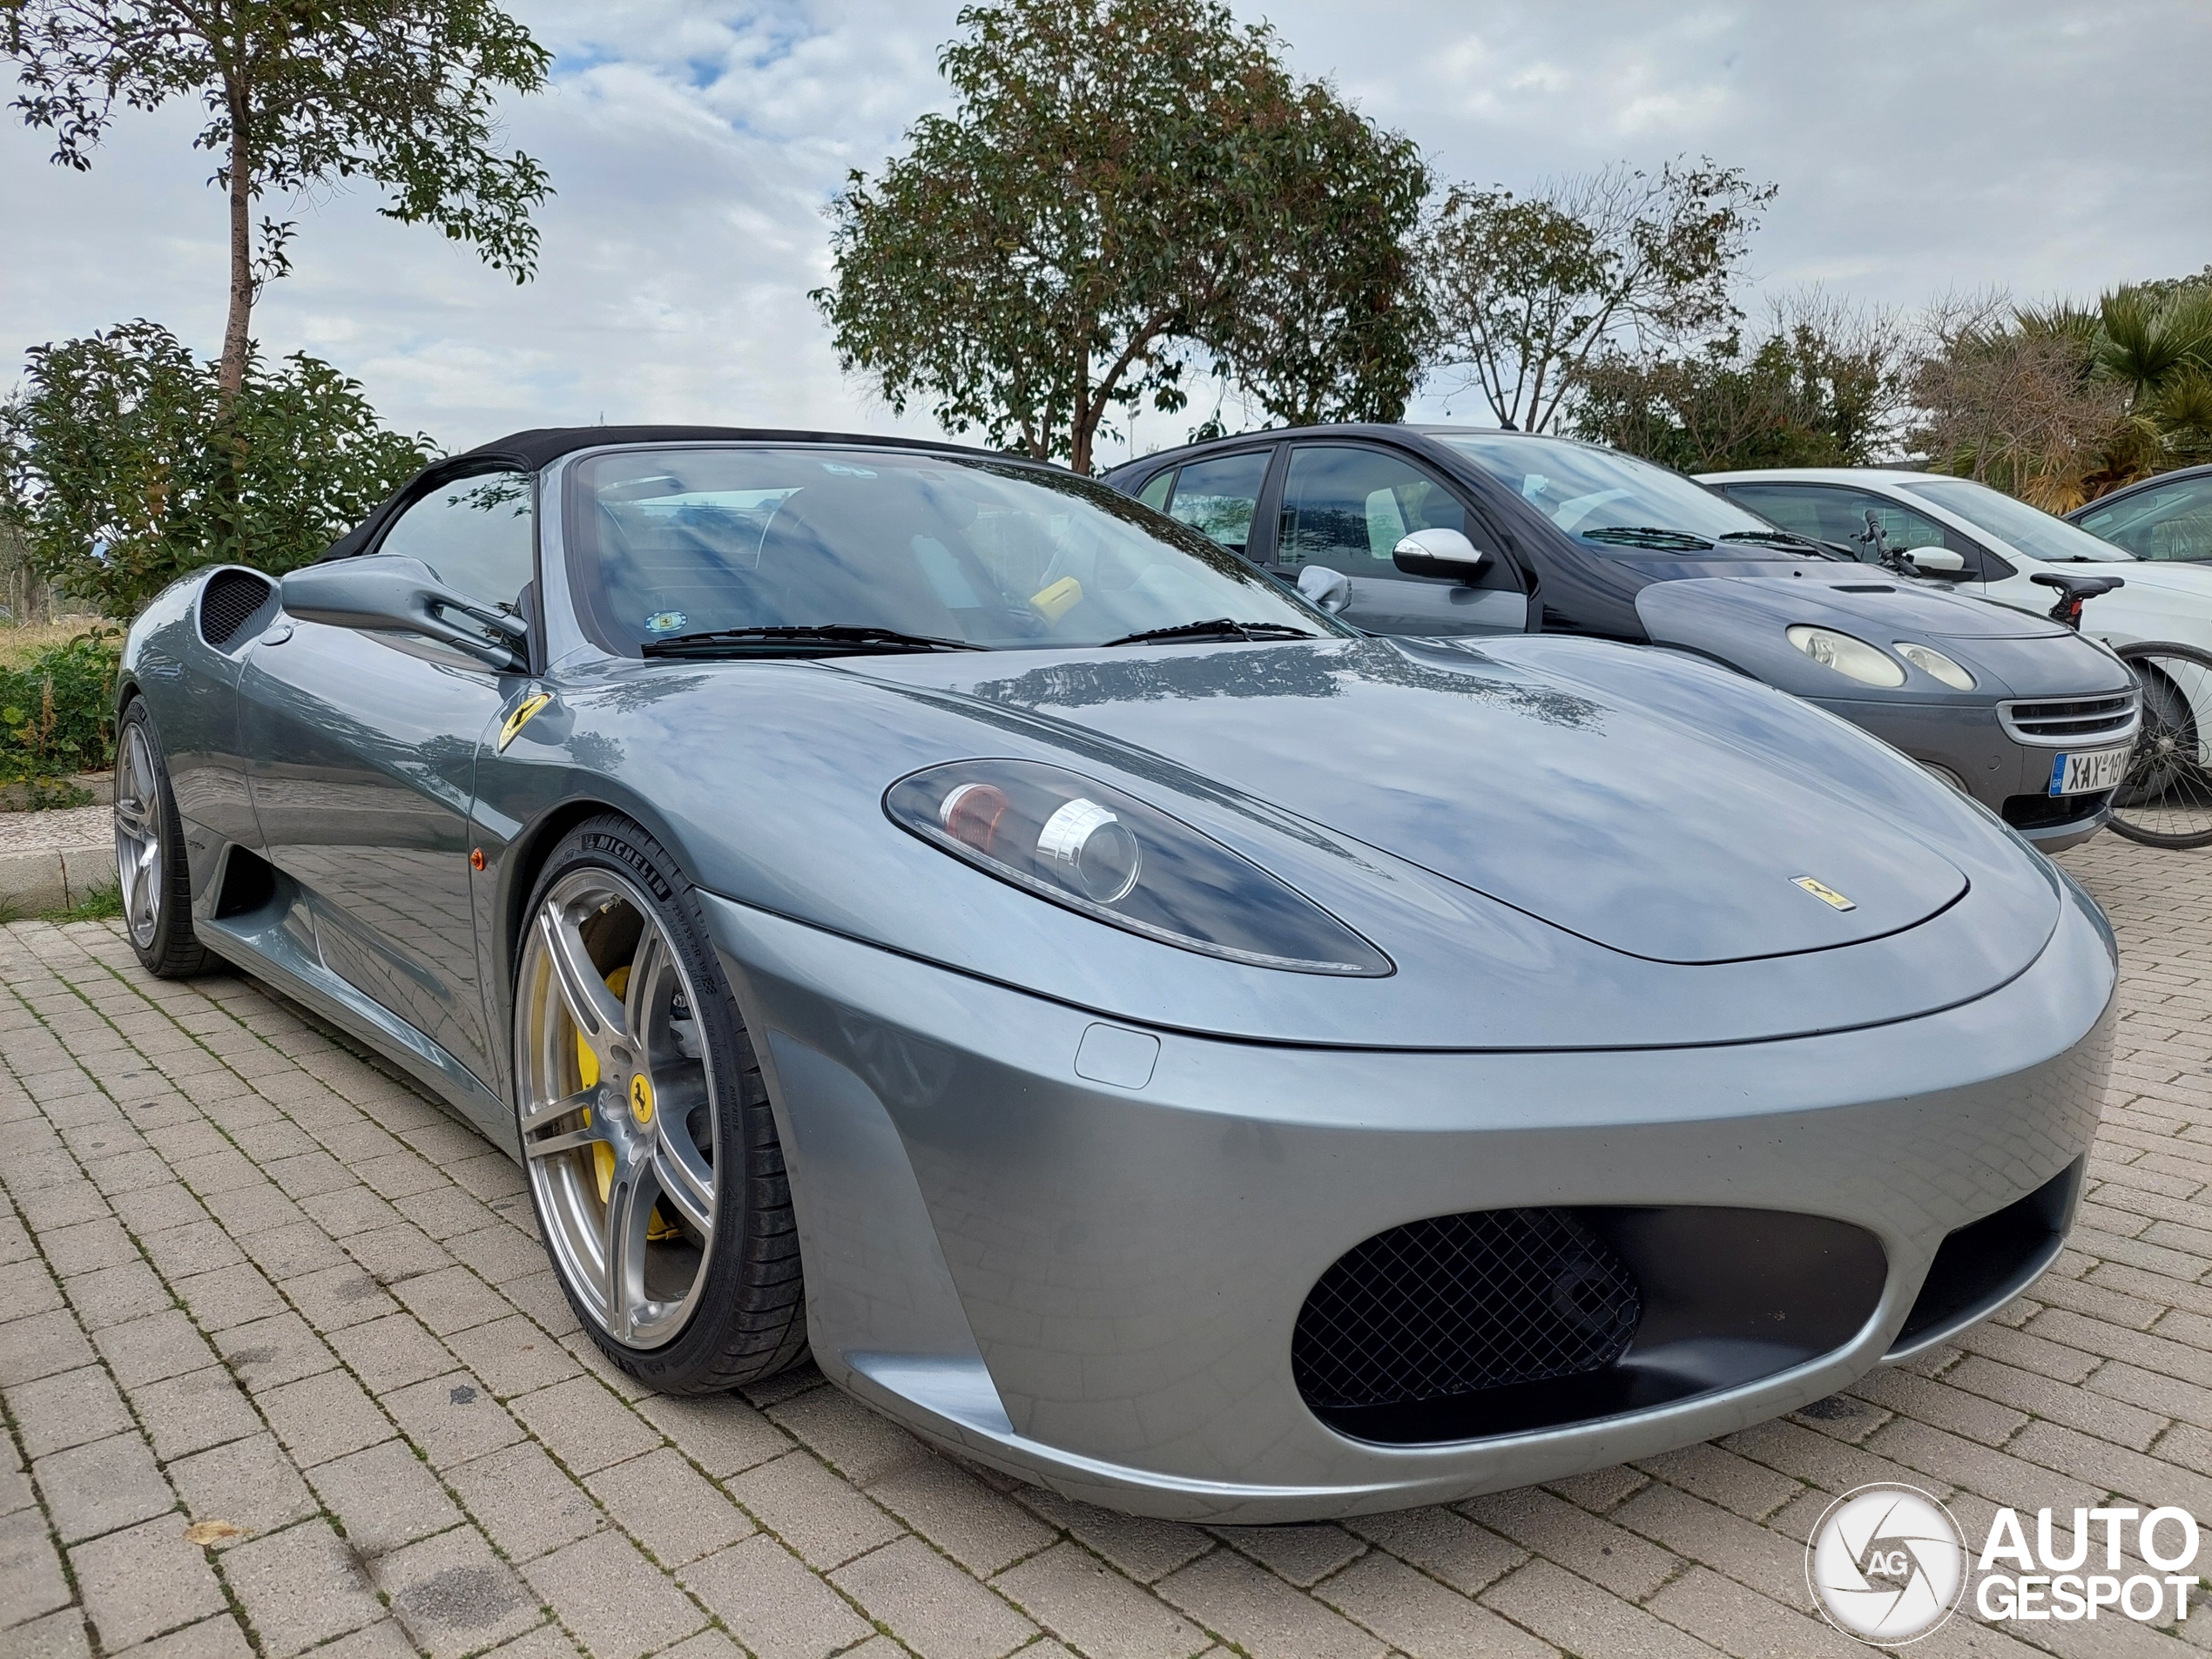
1433,531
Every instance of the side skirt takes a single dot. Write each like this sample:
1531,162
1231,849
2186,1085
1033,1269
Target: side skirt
261,942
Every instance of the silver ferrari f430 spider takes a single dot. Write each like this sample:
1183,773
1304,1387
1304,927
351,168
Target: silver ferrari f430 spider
927,909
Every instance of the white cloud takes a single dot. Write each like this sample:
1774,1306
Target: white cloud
1944,144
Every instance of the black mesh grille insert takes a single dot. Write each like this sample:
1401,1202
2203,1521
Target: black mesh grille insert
2033,812
227,600
1457,1304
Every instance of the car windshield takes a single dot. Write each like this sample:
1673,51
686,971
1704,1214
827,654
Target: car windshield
2030,530
677,542
1615,501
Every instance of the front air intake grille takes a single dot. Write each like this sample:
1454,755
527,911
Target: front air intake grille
1457,1304
227,602
2061,723
2040,812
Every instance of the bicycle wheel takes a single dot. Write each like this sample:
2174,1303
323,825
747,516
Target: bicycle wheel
2165,799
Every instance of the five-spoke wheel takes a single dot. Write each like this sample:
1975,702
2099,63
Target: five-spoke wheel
617,1114
150,867
139,864
647,1132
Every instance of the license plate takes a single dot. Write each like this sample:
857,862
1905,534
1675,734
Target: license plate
2088,772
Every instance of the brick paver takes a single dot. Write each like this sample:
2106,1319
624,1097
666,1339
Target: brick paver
285,1373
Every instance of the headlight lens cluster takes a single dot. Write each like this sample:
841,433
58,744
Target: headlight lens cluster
1870,664
1936,666
1100,852
1855,657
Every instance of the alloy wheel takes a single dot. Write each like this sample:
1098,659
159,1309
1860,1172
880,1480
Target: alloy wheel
617,1113
138,868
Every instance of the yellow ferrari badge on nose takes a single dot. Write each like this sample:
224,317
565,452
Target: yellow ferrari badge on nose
520,717
641,1100
1822,892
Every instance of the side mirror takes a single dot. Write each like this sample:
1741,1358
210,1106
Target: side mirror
1438,552
1935,561
384,594
1326,589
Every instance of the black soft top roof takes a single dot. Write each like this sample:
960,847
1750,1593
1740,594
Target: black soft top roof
541,446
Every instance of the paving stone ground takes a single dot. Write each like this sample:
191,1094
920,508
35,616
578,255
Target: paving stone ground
285,1372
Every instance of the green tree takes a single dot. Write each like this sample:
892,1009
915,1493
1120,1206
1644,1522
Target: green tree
300,94
1524,292
1822,387
128,474
1125,190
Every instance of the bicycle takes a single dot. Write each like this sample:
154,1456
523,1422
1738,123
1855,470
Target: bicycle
2165,797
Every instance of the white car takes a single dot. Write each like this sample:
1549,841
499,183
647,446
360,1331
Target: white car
2005,544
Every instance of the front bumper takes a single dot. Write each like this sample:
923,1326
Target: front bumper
2010,778
1075,1251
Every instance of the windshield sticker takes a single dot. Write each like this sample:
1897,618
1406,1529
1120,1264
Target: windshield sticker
665,622
843,471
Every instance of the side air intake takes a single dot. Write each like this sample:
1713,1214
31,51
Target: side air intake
229,601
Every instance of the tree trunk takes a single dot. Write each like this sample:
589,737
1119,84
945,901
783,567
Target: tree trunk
237,332
1081,421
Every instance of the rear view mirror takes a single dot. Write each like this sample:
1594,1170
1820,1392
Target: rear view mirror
380,593
1438,552
1935,561
1326,589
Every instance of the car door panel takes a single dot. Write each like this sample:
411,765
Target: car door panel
362,772
1346,505
363,749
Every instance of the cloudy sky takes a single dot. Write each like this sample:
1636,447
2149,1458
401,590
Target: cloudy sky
1921,147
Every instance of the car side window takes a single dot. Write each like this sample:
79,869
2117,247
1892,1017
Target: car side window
474,534
1834,513
1155,493
1218,498
2168,522
1347,508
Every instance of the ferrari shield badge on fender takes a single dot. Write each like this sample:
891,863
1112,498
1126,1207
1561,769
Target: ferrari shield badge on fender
520,717
1822,892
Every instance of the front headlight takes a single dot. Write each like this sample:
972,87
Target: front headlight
1855,657
1936,666
1109,856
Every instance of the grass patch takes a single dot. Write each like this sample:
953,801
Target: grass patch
101,904
19,644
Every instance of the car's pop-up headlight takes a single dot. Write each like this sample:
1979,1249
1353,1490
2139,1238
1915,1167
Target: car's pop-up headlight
1096,850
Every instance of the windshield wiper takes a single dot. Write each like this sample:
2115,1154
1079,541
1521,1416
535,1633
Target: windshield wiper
1217,628
1791,538
829,635
1647,535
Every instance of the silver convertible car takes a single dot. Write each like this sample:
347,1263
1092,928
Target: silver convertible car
928,910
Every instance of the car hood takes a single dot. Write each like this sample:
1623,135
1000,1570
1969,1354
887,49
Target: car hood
1558,843
1745,622
1656,836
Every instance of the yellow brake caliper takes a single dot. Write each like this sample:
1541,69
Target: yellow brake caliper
659,1230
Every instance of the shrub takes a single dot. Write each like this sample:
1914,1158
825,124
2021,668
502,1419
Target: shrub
56,714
